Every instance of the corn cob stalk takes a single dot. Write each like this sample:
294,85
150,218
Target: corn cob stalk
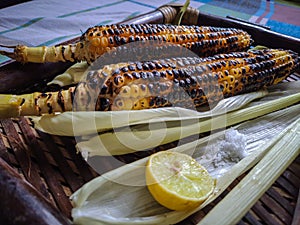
204,41
185,82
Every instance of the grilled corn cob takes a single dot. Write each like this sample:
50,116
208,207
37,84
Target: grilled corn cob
204,41
186,82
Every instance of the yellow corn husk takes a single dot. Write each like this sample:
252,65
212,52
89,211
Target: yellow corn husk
91,122
151,128
240,199
128,200
127,141
71,76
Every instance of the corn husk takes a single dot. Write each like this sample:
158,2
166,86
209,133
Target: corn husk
129,131
128,200
181,12
128,141
239,200
91,122
71,76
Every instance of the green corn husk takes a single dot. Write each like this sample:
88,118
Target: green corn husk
128,200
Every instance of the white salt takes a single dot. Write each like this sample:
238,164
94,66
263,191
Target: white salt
222,154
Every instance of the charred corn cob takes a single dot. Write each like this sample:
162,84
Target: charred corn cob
185,82
204,41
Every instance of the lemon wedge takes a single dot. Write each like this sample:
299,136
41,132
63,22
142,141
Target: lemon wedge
177,181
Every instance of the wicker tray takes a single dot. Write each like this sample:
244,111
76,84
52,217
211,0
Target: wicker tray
50,163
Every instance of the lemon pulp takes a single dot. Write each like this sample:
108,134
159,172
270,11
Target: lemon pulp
177,181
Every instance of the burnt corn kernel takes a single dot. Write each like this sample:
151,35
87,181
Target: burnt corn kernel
102,104
191,85
206,80
203,41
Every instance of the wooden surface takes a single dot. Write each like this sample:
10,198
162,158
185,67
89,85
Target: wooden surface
54,168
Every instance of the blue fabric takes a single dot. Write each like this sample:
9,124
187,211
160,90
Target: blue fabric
39,22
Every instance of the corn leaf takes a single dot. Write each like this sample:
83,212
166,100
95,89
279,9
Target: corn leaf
182,11
89,122
129,131
71,76
239,201
128,200
144,137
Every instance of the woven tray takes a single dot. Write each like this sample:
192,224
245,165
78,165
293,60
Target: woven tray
50,163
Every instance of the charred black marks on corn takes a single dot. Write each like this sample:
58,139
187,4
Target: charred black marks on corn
36,104
63,52
50,108
61,101
36,99
102,104
49,105
72,94
201,40
22,101
192,81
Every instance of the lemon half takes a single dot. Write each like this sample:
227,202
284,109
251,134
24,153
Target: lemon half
177,181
